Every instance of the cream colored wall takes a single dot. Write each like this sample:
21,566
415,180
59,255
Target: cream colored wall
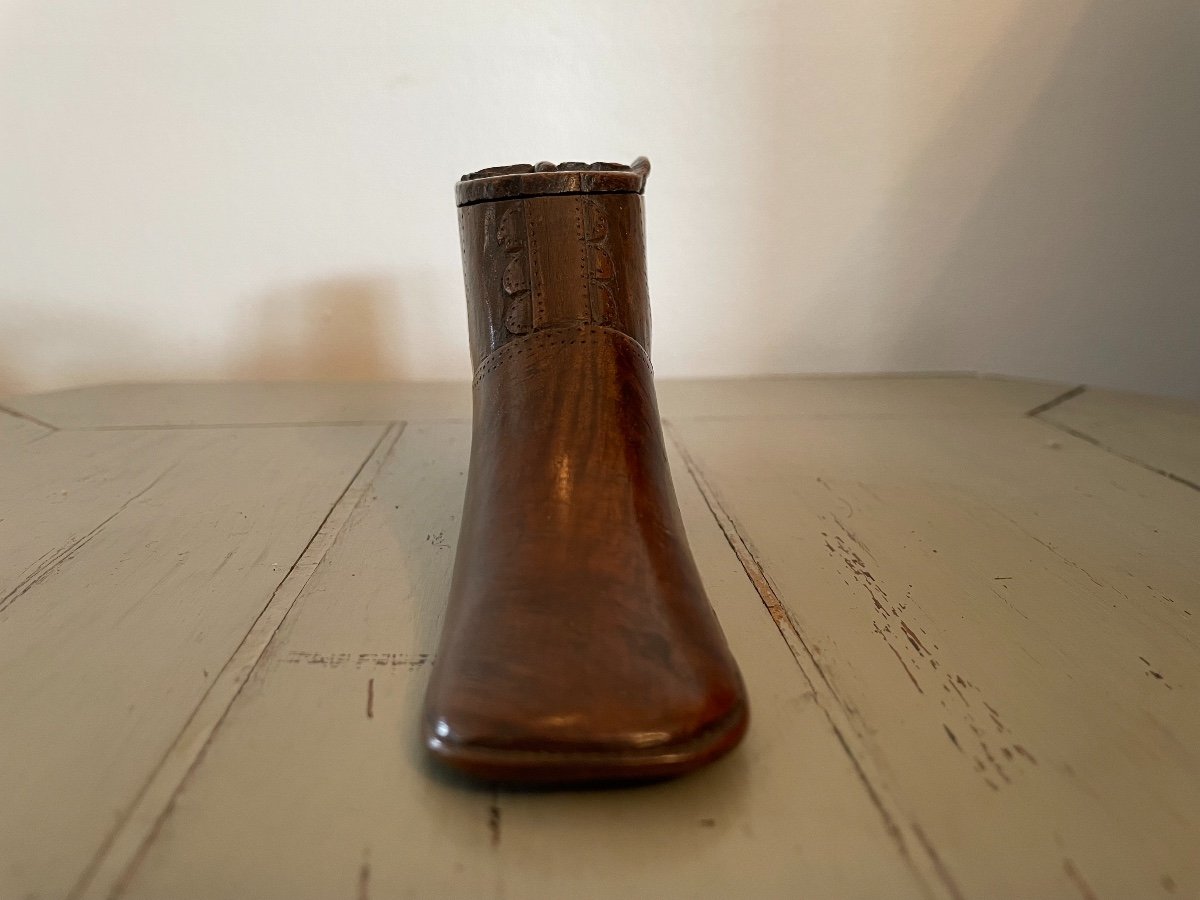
263,189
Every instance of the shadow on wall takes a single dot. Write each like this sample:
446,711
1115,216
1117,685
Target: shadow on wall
1041,222
334,329
1046,223
1076,245
35,339
1081,245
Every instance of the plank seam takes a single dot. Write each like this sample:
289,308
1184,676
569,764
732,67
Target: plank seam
43,571
1036,413
1067,429
17,414
790,632
1056,401
196,426
119,855
209,426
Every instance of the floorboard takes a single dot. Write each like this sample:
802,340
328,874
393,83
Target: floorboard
1160,434
966,610
1007,623
118,634
316,780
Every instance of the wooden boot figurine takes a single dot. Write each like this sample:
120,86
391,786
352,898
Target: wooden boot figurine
578,644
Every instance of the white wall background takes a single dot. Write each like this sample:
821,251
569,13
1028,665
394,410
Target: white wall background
260,188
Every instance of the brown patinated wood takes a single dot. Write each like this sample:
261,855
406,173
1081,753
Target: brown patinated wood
578,644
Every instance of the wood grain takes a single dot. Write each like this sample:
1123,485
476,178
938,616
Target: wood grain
1007,626
138,827
209,404
1160,434
18,428
337,697
116,645
58,491
969,637
275,403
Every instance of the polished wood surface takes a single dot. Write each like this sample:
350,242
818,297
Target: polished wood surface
547,178
578,645
189,726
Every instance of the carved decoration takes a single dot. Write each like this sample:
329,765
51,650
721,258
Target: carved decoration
602,273
510,238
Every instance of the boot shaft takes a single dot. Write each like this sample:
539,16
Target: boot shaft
578,644
551,247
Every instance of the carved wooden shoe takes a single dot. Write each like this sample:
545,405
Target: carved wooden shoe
578,644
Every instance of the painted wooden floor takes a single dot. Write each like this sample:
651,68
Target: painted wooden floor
967,611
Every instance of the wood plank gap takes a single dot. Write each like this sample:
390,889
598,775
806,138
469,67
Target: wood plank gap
42,571
218,425
836,417
17,414
1036,413
494,818
118,856
928,867
1055,401
1083,436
